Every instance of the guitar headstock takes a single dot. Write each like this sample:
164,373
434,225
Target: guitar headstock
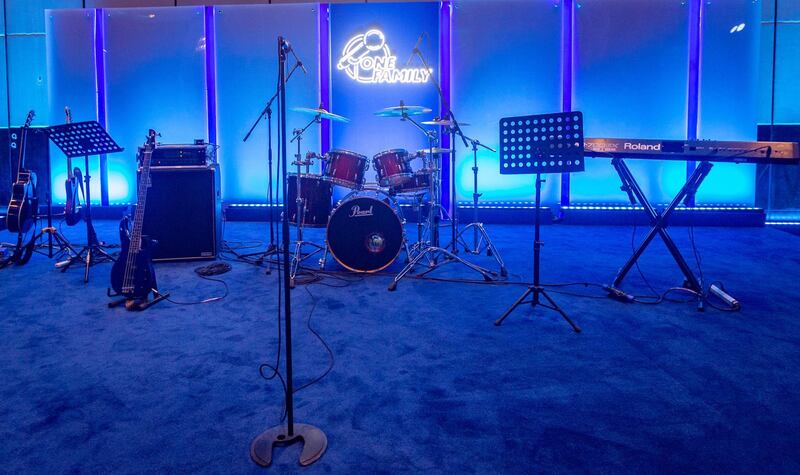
29,119
151,138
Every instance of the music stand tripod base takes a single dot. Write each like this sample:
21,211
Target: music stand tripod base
313,439
536,144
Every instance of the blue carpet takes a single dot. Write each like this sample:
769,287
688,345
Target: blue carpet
423,382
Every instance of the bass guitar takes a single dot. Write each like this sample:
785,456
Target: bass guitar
23,207
73,211
132,275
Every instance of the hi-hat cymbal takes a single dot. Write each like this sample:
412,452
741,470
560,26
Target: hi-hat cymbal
433,151
322,113
399,111
445,123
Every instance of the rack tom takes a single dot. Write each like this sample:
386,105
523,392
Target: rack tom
393,167
345,168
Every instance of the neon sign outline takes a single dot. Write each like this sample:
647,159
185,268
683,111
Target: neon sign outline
366,58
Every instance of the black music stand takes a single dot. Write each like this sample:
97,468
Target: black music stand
84,139
536,144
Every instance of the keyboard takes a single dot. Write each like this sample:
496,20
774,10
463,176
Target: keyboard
781,153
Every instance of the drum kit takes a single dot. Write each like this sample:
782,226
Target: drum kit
364,231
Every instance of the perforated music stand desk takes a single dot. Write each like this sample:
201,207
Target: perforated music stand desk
532,145
85,139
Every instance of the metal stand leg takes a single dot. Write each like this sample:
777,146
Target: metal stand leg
659,222
537,289
93,253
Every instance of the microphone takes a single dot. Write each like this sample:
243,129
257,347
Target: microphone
291,49
416,47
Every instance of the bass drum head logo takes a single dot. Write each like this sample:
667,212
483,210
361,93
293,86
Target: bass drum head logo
366,58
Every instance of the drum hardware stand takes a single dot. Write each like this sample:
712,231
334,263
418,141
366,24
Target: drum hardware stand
301,207
484,243
313,439
84,139
433,252
272,248
539,158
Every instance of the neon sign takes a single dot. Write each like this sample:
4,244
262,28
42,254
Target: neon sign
366,58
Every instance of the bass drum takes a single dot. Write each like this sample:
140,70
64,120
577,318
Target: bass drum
365,234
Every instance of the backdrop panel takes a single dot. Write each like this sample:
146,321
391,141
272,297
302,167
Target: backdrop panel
247,76
631,73
729,93
400,25
155,78
71,82
506,59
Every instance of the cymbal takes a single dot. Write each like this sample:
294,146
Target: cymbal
445,123
434,151
398,111
322,113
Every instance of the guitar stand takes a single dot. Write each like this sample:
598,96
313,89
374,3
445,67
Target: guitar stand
54,235
136,305
658,221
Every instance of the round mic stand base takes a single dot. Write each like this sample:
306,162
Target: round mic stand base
313,439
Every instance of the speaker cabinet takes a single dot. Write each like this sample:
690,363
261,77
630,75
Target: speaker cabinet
184,212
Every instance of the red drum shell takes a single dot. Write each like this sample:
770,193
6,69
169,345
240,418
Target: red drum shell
345,168
393,167
317,196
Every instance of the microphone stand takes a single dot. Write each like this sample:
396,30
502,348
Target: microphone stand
272,248
313,439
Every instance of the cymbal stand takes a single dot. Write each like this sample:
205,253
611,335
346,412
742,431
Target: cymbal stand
298,256
480,238
432,251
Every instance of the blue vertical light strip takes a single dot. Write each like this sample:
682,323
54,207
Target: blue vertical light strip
211,72
100,83
324,74
445,24
567,38
695,48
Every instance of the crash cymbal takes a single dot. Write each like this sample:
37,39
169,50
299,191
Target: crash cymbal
322,113
399,111
445,123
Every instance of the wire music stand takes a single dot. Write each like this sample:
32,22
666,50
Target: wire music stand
83,139
536,144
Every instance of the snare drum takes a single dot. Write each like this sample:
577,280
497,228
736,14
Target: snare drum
393,167
317,196
420,182
345,168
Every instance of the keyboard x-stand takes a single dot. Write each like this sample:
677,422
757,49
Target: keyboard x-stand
703,151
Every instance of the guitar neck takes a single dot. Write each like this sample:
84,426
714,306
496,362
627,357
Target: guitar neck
141,201
23,136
